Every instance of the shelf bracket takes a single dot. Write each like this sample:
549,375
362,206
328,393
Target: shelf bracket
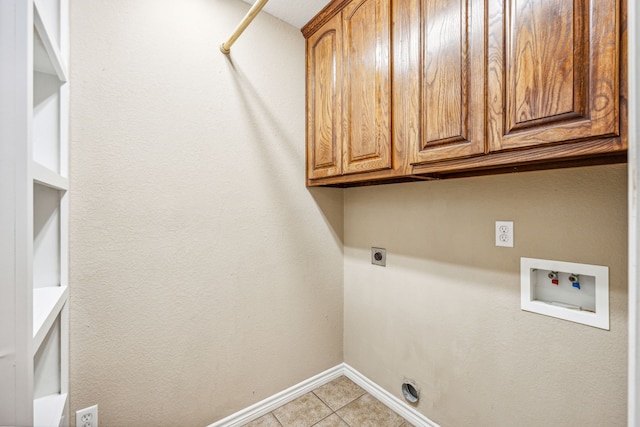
255,9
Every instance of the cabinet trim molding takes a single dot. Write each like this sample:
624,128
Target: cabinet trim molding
324,16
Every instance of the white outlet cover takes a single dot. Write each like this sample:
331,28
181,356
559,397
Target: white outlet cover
504,234
87,417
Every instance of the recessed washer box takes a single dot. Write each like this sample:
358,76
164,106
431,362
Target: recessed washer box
566,290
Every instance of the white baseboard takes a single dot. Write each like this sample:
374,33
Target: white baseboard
267,405
398,406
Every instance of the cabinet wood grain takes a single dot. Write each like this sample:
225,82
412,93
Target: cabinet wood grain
552,71
366,90
452,80
324,118
430,89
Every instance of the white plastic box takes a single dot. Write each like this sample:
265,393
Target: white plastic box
566,290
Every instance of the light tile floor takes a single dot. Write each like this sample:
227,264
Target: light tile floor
340,403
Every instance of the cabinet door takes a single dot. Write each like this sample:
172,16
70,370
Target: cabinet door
324,101
552,71
366,93
452,80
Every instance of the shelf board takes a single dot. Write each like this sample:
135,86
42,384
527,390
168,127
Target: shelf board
45,176
47,56
48,410
47,304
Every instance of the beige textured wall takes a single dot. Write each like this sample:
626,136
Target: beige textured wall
445,312
205,276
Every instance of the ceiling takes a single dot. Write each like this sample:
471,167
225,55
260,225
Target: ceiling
295,12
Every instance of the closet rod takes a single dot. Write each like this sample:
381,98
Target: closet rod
255,9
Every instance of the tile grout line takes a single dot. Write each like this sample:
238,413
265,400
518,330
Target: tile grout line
343,420
335,412
344,405
273,414
325,404
339,373
319,421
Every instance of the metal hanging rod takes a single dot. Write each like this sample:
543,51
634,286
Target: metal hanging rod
255,9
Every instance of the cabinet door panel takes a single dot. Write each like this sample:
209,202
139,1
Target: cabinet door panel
324,130
367,95
545,46
452,80
552,71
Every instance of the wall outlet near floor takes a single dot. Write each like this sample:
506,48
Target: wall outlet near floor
87,417
379,256
504,234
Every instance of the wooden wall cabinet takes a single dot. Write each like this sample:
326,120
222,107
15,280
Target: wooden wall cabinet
451,71
429,89
349,93
366,90
324,98
553,72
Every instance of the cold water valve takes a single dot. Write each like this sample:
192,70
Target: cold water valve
575,280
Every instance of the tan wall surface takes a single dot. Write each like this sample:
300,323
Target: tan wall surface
205,276
445,312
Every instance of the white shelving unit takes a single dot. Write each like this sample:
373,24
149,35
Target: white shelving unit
34,319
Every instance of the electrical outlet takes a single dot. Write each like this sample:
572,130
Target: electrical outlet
504,234
87,417
379,256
